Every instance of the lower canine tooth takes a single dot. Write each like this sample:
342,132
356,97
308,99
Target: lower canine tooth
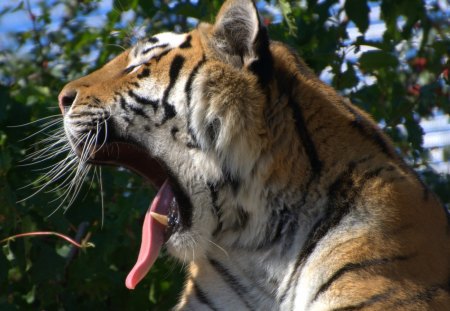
162,219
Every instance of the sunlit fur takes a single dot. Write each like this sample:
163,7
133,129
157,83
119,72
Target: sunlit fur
299,201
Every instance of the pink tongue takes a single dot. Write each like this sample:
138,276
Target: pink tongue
152,236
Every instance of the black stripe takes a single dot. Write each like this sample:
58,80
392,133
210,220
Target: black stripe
175,68
353,267
173,132
192,75
214,192
153,40
233,283
369,302
96,100
135,84
317,112
202,297
143,101
123,103
282,225
169,113
369,131
241,219
372,133
160,56
426,295
341,195
332,215
302,131
139,112
263,66
188,90
233,181
162,46
186,44
212,129
144,74
192,145
127,107
84,113
129,69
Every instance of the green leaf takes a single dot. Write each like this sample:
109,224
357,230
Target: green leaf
14,274
30,296
347,79
8,252
124,5
375,60
415,133
5,159
289,17
358,12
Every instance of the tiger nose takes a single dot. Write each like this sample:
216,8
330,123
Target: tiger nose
66,99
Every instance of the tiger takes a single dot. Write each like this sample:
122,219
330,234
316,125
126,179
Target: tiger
276,192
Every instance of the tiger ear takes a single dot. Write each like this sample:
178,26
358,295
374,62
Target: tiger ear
238,34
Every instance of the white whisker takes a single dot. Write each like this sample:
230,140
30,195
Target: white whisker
102,198
38,120
68,159
54,178
40,131
219,247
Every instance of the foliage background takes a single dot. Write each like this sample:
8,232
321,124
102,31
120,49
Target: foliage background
409,66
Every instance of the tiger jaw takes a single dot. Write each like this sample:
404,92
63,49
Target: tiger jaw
137,160
163,218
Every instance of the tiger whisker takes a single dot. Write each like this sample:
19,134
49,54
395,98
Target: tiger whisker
56,170
66,182
219,247
57,134
45,157
43,187
78,186
54,174
53,140
37,133
69,160
35,121
36,155
69,194
82,169
72,186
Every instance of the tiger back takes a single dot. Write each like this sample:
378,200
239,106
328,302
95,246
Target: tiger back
276,191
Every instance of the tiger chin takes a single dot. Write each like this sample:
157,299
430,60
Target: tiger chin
276,191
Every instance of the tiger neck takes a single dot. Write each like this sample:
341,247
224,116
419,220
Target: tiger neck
234,280
248,268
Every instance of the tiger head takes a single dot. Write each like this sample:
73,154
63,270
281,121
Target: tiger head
187,112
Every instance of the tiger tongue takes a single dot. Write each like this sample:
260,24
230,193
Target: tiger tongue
152,236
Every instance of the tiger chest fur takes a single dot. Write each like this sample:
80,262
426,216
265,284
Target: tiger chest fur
277,192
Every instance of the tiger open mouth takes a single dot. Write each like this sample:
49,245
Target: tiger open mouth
163,217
